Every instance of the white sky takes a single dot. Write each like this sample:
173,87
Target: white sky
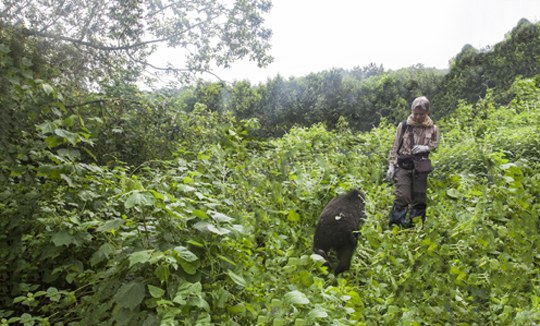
315,35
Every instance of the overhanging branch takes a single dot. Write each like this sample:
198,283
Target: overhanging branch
102,47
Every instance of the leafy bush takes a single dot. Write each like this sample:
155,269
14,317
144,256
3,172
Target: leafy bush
220,231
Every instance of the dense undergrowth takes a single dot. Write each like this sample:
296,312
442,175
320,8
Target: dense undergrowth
221,234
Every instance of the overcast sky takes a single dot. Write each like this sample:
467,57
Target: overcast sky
315,35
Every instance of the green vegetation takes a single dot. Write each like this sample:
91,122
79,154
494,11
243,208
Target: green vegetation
361,96
121,207
474,72
366,95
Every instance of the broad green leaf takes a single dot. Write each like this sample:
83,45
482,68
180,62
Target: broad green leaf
186,254
111,225
140,257
157,256
155,292
56,111
71,154
103,253
53,294
204,226
453,193
296,297
508,166
27,319
47,127
220,297
130,295
62,238
53,141
91,167
47,88
162,272
188,267
186,188
317,312
300,322
201,226
205,318
220,217
158,195
139,199
199,302
71,137
238,228
508,179
239,308
187,289
293,216
67,180
239,280
19,299
71,120
200,214
218,230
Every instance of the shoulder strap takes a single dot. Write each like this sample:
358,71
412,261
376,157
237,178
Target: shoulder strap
404,126
411,136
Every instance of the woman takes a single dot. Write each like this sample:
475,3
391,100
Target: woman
414,140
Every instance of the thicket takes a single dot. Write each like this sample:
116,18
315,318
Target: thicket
363,96
121,208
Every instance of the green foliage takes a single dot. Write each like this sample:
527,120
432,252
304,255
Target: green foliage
474,72
364,96
221,234
361,96
95,41
127,208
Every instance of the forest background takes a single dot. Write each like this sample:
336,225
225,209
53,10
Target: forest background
196,205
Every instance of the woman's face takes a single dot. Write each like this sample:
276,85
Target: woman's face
419,115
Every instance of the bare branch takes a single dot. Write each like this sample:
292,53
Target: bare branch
175,70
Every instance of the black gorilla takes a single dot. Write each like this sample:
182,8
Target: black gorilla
338,228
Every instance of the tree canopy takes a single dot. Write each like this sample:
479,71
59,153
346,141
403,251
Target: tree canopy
95,39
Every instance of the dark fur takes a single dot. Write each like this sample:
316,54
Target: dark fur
340,234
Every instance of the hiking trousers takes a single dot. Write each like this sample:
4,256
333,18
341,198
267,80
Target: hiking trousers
410,189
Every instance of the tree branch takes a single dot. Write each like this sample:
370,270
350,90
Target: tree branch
112,48
71,106
173,69
91,44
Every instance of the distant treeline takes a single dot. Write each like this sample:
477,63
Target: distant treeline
122,123
363,95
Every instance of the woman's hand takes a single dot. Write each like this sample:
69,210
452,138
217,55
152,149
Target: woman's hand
417,149
390,173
